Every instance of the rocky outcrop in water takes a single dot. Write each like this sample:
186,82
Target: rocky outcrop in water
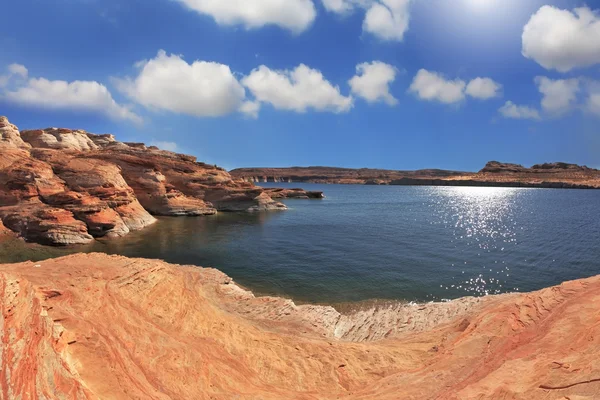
62,186
106,327
282,193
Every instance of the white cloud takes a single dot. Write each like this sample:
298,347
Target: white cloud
432,86
511,110
483,88
372,82
202,89
388,19
558,95
77,95
593,101
561,39
250,108
338,6
13,70
296,90
345,6
163,145
294,15
18,69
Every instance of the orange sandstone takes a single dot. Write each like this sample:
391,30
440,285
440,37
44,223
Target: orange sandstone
106,327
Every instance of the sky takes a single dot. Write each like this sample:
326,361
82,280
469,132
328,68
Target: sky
395,84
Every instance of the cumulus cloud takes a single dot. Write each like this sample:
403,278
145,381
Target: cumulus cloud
294,15
164,145
13,70
167,82
559,96
592,103
372,82
77,95
339,6
511,110
296,90
18,69
483,88
388,19
432,86
561,39
250,108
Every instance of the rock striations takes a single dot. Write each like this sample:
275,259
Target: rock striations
106,327
62,186
553,175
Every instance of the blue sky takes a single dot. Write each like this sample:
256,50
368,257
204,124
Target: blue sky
266,82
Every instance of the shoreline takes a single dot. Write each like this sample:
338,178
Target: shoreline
453,183
36,253
113,327
495,174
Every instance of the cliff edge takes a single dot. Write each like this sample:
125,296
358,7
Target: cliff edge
61,186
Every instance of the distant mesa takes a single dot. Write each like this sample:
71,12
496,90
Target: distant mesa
549,175
558,167
496,167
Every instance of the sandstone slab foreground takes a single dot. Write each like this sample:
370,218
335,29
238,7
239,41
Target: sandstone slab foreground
92,326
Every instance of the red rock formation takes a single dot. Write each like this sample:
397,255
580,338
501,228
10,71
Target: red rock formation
104,327
498,167
62,186
555,175
334,175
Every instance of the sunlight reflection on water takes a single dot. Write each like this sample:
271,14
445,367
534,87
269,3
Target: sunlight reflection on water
384,243
481,217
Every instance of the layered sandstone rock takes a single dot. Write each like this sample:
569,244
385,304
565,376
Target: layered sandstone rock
281,193
498,167
59,139
105,327
62,186
333,175
9,135
3,230
551,175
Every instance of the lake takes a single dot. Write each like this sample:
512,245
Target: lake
380,242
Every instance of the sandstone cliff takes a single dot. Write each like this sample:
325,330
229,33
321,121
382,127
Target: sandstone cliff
550,175
334,175
106,327
63,186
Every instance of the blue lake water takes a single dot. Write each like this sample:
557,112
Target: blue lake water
382,242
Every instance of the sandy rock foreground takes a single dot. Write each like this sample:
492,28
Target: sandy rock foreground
92,326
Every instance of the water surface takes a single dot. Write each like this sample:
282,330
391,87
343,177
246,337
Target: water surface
381,242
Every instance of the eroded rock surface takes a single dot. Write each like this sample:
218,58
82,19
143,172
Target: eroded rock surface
60,186
282,193
106,327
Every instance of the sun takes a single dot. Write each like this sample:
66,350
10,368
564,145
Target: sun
480,4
